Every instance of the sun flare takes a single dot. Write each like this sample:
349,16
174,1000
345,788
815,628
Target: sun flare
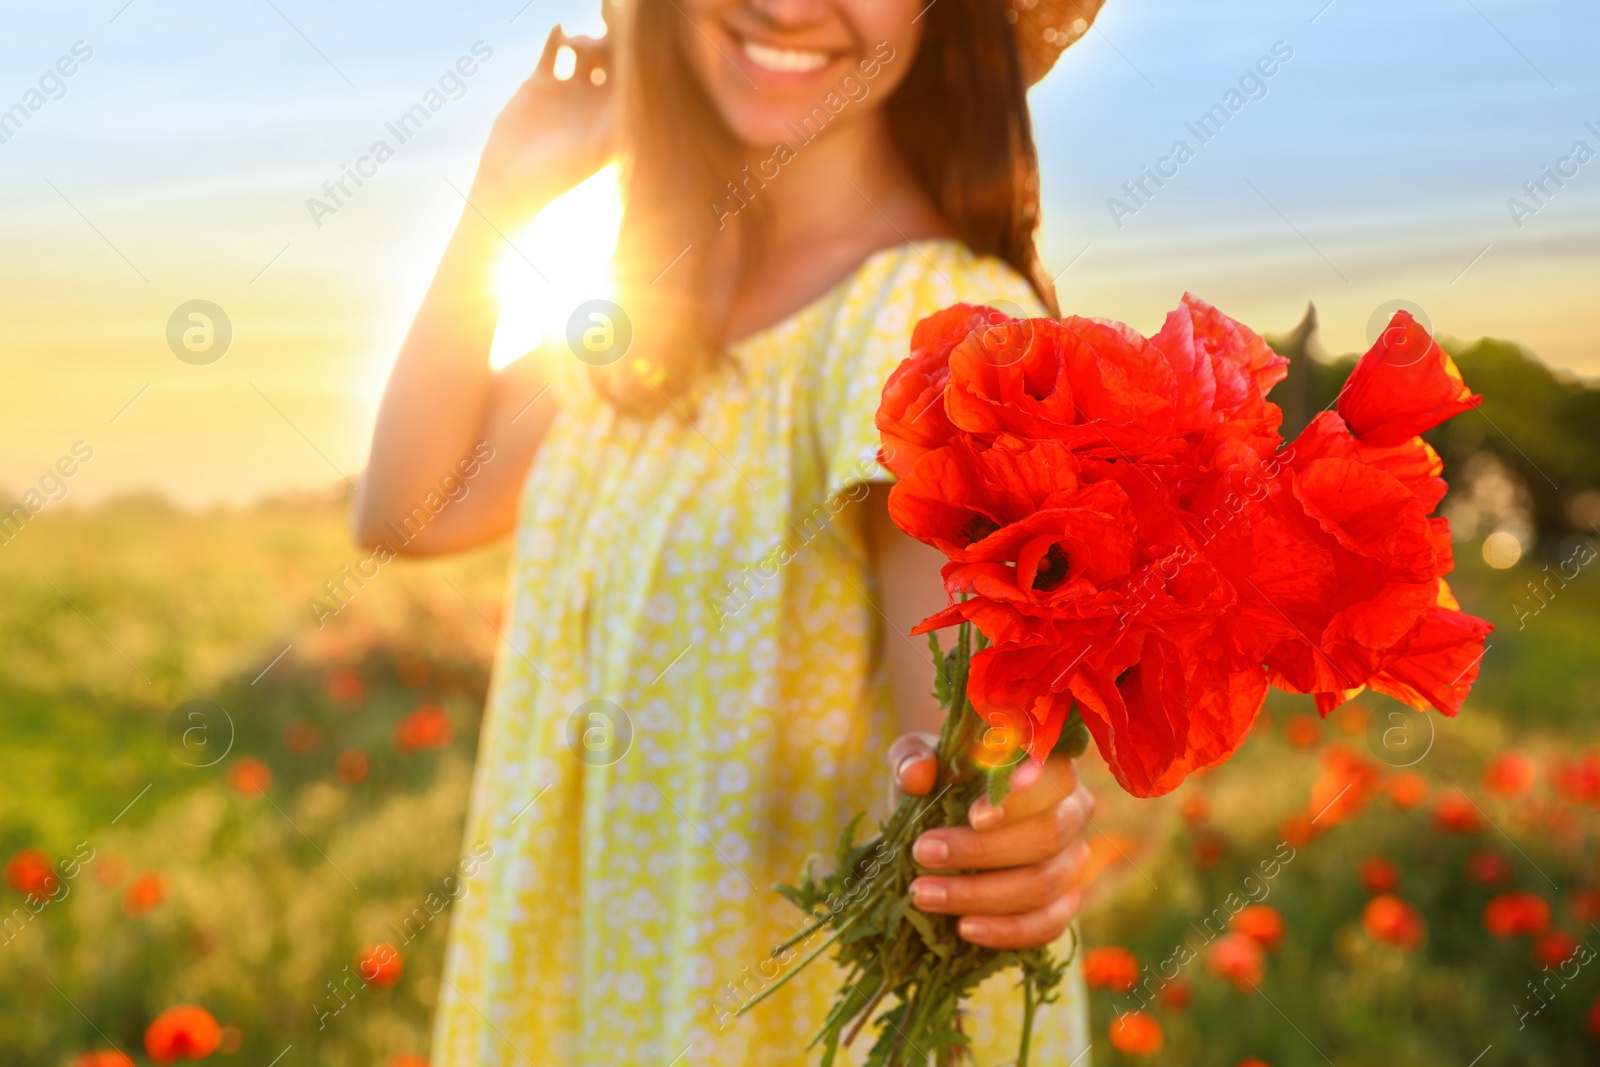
558,261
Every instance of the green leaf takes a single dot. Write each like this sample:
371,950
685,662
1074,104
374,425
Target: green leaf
1074,739
949,1037
999,783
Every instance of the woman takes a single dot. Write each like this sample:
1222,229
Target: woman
706,653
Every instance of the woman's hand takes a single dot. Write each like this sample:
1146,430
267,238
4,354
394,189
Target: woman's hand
550,136
1027,855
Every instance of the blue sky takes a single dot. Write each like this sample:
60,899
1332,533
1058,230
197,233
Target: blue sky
178,163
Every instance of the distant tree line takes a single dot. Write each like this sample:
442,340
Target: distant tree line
1540,424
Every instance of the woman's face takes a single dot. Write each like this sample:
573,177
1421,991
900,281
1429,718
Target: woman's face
784,70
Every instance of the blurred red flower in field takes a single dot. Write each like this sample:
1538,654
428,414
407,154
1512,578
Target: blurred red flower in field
345,685
250,777
1208,850
1252,1062
1298,829
1238,959
1105,851
1177,994
1263,923
1136,1033
1510,774
301,737
108,870
1578,780
352,765
380,964
1455,813
1394,922
1351,719
186,1032
1111,967
407,1059
427,727
1379,875
1195,807
1513,914
1406,789
232,1040
147,891
1304,729
104,1058
1594,1019
1554,948
1486,867
1346,783
1585,906
32,873
412,670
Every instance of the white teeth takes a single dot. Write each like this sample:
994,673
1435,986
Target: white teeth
784,60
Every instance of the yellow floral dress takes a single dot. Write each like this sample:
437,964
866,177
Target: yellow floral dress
688,703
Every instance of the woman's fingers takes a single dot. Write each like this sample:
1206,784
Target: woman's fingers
1016,891
1034,787
1029,930
913,763
552,45
1011,844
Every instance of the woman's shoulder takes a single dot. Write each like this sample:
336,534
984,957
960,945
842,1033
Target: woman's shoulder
897,286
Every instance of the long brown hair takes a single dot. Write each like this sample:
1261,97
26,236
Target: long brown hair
959,120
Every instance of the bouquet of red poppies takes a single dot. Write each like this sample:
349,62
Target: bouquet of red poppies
1135,554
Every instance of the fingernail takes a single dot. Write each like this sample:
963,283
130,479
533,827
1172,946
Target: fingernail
928,894
1026,775
973,928
983,815
931,851
905,765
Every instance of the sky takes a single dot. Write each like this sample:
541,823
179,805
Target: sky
175,164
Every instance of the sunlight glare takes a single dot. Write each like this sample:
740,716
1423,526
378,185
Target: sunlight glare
570,243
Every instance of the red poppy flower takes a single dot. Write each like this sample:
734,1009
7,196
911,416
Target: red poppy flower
1346,783
1554,948
1176,994
1238,959
1517,914
1594,1019
911,417
1252,1062
301,737
344,684
1578,780
1379,875
1209,848
1223,370
407,1059
1403,386
352,765
144,895
1407,789
1261,922
1454,812
1303,730
1136,1033
426,727
1111,967
1298,829
1195,808
185,1032
380,964
1585,906
250,777
1487,867
1394,922
1510,774
31,873
104,1058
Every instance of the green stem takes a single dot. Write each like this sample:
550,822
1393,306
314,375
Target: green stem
1027,1020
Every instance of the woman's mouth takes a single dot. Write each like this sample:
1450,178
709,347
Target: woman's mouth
783,60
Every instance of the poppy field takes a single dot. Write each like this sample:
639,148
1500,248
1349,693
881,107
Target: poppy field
232,834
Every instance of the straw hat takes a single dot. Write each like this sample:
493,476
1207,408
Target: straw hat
1046,27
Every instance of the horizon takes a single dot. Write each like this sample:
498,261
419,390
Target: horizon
1378,162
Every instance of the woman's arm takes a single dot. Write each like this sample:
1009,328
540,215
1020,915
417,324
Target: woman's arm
443,407
1029,852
